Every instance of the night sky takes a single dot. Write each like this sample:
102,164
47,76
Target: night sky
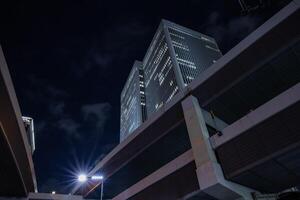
70,59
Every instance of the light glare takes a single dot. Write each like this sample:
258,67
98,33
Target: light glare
82,178
97,177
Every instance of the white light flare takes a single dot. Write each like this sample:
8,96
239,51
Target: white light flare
97,177
82,178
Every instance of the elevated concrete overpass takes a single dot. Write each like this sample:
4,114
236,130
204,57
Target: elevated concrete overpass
16,166
233,131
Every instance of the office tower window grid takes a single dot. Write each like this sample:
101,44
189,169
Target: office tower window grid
176,56
161,83
142,95
132,102
187,61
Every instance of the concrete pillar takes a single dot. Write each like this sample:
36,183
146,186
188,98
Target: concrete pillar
210,175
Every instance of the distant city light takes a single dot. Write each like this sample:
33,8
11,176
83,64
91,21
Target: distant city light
97,177
53,192
82,178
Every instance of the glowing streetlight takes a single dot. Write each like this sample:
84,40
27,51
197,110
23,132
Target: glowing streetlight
97,177
82,178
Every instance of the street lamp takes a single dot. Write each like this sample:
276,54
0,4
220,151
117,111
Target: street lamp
97,177
83,178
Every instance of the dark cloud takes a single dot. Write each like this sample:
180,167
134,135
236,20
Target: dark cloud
96,57
70,127
39,126
57,108
103,52
87,122
49,185
97,114
40,92
228,32
94,118
104,149
54,92
102,60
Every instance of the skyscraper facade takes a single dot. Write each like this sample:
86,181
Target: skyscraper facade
176,56
133,110
29,127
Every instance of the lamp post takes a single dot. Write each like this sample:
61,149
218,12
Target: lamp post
83,178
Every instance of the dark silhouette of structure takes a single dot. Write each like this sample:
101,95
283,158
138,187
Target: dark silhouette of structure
17,173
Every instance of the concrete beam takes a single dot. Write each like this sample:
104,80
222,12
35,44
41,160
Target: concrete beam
256,49
47,196
265,111
209,173
13,126
158,175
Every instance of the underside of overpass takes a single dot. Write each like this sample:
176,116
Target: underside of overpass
11,183
16,167
265,152
147,163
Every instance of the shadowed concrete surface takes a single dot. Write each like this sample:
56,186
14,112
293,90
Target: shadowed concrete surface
16,167
45,196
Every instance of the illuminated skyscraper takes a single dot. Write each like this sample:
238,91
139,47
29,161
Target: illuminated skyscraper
176,56
29,127
133,111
